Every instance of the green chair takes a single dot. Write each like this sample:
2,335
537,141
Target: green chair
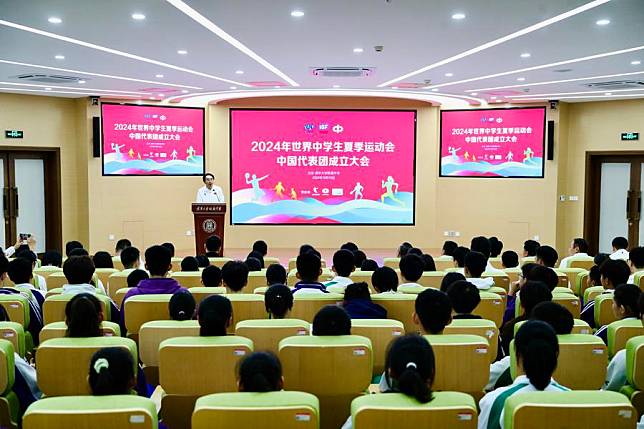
481,327
604,314
569,301
634,388
59,330
396,410
574,409
266,334
89,412
200,293
579,327
17,307
219,262
491,307
637,277
592,292
391,262
399,306
144,308
500,281
381,332
412,289
275,410
560,289
188,279
256,279
513,273
306,305
9,405
362,276
581,283
15,334
53,309
572,274
432,279
620,331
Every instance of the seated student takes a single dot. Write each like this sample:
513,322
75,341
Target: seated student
20,271
625,300
636,262
71,245
170,248
278,301
616,373
359,257
447,251
546,256
510,259
369,265
211,276
482,245
464,297
415,251
189,263
103,260
235,276
594,276
182,306
459,258
613,272
215,315
39,282
357,302
305,248
350,246
121,245
79,271
530,248
403,249
130,258
343,266
111,372
432,312
20,245
410,369
83,316
203,261
620,249
430,265
257,255
158,263
540,274
135,277
79,251
475,264
537,350
532,293
411,269
331,320
261,247
385,280
213,246
496,247
260,372
275,274
253,264
309,269
578,252
52,258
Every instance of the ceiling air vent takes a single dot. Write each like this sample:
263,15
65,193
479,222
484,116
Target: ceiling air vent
49,78
616,84
342,71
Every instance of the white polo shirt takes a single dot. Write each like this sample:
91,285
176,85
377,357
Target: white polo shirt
214,195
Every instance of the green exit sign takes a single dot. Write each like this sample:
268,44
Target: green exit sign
630,136
14,134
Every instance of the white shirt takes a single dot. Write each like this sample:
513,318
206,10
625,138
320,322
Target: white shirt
80,288
9,251
214,195
496,370
565,262
490,269
444,258
616,373
340,281
620,254
482,284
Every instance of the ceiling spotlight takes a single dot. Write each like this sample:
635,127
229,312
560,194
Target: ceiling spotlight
59,57
336,86
277,87
434,89
82,81
493,97
138,16
608,93
449,74
47,89
458,16
603,22
358,50
520,79
55,20
239,71
636,63
233,87
151,98
525,55
182,52
184,91
394,87
160,95
297,14
473,93
158,76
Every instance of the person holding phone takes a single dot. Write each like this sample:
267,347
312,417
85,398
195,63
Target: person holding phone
24,239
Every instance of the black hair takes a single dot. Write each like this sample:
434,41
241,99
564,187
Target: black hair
203,261
620,243
415,251
28,255
616,272
278,300
130,257
83,316
331,320
449,247
211,276
235,275
358,290
136,276
600,258
4,263
594,275
532,293
537,349
434,310
182,305
308,266
475,263
627,295
343,262
482,245
640,304
384,279
275,274
53,258
20,270
548,255
170,247
351,246
430,265
214,315
459,256
450,278
546,275
78,269
257,255
359,257
464,296
369,265
260,372
581,244
123,244
404,248
305,248
636,256
189,263
253,264
158,260
4,316
71,245
510,259
111,372
103,259
556,315
531,246
496,247
213,244
410,367
526,268
261,247
205,175
411,267
79,251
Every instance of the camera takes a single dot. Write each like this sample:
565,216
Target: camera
554,104
94,100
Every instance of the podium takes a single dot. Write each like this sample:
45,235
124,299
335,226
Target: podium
209,220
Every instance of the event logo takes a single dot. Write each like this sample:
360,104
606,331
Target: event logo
309,127
338,128
209,226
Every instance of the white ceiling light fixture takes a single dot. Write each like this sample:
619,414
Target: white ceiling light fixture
33,85
239,71
158,76
54,20
458,16
435,89
493,97
520,79
574,97
297,14
209,25
336,86
47,89
182,52
138,16
474,93
449,74
113,51
63,92
233,87
358,50
82,81
151,98
557,94
526,55
603,22
500,40
184,91
608,93
636,63
59,57
160,95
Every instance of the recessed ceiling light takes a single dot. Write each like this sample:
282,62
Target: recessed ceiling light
297,14
525,55
336,86
394,87
182,52
81,81
458,16
473,93
636,63
608,93
158,76
603,22
151,98
239,71
233,87
358,50
47,89
520,79
184,91
449,74
59,57
493,97
138,16
55,20
277,87
434,89
160,95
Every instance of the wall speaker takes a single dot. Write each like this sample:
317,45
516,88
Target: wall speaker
551,140
96,136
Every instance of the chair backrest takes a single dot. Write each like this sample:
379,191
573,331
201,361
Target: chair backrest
394,262
153,333
591,293
144,308
116,260
292,263
246,306
59,330
275,410
219,262
496,263
576,409
53,309
187,279
637,279
481,327
56,279
604,314
256,279
47,270
120,294
291,278
63,363
561,289
270,260
7,367
115,282
570,301
501,281
580,327
585,265
104,274
441,265
17,307
445,410
266,334
490,308
381,332
200,293
399,306
412,289
57,291
581,283
635,362
620,331
14,333
432,279
306,305
462,362
105,412
363,276
571,274
513,273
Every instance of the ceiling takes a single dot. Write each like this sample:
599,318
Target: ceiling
427,54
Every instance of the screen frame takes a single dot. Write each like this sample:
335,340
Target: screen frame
230,166
203,141
543,144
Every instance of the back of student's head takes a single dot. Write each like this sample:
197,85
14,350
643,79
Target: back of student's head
620,243
275,274
182,305
4,264
136,276
464,296
130,257
343,262
71,245
103,259
4,316
214,316
482,245
547,255
384,279
170,248
600,258
459,256
211,276
79,251
430,265
540,273
350,246
404,248
636,256
28,255
369,265
331,320
581,245
496,247
260,372
78,269
411,365
415,251
253,264
530,247
111,372
449,247
555,315
615,271
594,276
305,248
450,278
510,259
434,310
53,258
261,247
213,243
203,261
122,244
475,263
257,255
626,297
83,316
358,290
278,300
235,275
533,293
537,350
358,258
20,270
411,267
526,268
189,263
158,260
308,266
